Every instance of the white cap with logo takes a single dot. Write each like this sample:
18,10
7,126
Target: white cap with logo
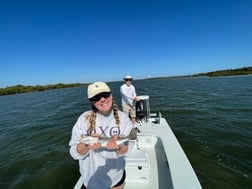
96,88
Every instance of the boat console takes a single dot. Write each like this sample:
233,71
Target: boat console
142,108
143,114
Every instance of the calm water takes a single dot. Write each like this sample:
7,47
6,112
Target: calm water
211,117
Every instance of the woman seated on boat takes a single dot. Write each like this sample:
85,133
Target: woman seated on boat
101,167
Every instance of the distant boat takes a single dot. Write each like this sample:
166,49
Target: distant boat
157,160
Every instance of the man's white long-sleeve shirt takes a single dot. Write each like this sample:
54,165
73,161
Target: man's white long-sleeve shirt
128,93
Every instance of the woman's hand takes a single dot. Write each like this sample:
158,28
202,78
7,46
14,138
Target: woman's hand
96,145
120,149
83,148
112,143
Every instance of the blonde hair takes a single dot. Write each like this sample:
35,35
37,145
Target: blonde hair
92,117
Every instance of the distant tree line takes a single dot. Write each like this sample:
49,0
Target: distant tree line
229,72
24,89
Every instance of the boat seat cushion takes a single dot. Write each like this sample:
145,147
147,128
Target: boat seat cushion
137,167
137,158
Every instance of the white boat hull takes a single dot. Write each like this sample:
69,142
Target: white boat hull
165,165
157,160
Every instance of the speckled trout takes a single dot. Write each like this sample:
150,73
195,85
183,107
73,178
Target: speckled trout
103,140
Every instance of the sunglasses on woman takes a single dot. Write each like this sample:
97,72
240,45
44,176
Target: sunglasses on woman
98,97
128,79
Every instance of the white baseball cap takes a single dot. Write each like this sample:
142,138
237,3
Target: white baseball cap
127,77
96,88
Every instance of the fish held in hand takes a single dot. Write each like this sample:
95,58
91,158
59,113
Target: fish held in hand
89,140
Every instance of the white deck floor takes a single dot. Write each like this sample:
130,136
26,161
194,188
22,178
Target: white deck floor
146,167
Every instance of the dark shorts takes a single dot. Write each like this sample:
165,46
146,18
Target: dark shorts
118,184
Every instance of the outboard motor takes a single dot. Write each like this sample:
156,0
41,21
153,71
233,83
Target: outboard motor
142,108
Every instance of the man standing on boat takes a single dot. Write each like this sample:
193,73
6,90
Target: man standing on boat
128,98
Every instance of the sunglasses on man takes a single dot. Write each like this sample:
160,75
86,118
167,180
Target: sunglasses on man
98,97
128,79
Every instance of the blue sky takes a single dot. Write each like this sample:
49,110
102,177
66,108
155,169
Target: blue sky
69,41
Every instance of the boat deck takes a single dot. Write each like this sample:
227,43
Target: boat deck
157,160
147,166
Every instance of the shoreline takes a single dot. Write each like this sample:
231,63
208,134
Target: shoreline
23,89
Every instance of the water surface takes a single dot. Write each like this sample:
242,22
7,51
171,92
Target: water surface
211,117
